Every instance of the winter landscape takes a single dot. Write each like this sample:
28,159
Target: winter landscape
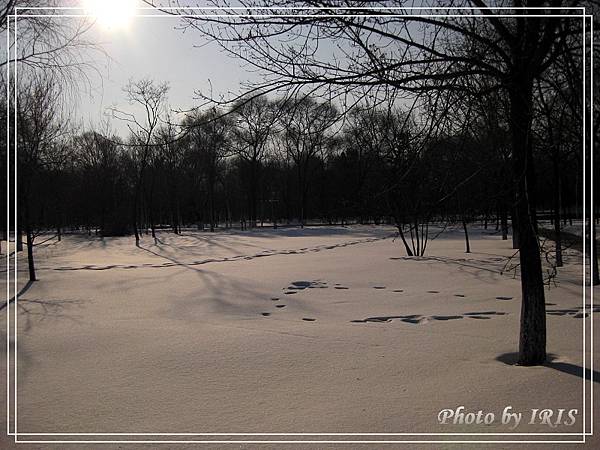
304,225
322,330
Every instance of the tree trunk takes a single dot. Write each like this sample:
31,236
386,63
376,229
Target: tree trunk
468,246
211,200
178,218
151,218
134,212
301,197
30,262
418,246
151,212
556,216
406,246
515,230
532,339
504,223
135,227
253,192
594,255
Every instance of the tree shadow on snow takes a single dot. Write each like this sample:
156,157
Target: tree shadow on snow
21,292
223,293
553,363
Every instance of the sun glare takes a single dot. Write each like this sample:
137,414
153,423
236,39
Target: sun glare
111,14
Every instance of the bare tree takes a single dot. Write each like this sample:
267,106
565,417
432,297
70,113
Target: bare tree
305,122
209,136
255,123
42,41
48,45
150,97
554,127
42,129
171,157
364,142
98,157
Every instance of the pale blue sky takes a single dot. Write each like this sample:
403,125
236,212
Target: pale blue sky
152,47
156,47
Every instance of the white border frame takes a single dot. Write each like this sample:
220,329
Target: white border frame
160,13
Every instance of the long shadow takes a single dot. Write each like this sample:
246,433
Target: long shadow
492,272
21,292
175,262
458,261
214,284
561,366
211,241
43,309
569,240
171,259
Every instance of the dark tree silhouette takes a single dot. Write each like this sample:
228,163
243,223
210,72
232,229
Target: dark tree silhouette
150,97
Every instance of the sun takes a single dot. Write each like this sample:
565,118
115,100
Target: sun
111,14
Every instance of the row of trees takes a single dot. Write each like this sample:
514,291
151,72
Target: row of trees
284,161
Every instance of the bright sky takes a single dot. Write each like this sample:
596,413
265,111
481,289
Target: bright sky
151,47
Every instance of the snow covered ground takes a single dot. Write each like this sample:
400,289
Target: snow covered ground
576,228
321,330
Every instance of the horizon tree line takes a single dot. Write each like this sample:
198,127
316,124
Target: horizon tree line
276,161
